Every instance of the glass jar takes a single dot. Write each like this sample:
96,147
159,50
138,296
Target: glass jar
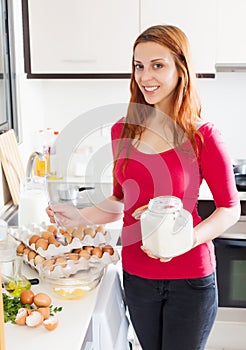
7,257
33,202
167,228
16,283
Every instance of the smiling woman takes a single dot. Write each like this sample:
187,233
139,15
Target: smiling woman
8,110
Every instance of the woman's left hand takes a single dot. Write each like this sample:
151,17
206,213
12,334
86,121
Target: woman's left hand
151,255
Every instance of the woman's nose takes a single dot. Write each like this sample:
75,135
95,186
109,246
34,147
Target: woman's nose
146,75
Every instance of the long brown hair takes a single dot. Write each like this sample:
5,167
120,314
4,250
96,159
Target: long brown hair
186,102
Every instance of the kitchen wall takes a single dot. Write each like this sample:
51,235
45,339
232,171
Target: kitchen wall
54,103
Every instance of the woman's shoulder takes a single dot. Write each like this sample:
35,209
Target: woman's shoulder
207,129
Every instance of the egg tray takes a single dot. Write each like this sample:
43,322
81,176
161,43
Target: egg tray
23,234
87,267
93,265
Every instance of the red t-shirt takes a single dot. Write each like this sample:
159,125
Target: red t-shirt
177,172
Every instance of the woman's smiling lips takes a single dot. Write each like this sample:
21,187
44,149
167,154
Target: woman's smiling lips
150,88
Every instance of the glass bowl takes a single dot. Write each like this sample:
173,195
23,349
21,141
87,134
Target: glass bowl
70,276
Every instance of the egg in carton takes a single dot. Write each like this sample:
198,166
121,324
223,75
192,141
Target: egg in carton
76,237
42,239
88,257
63,266
47,246
30,257
91,234
69,264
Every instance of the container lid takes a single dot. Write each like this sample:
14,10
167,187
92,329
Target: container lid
165,204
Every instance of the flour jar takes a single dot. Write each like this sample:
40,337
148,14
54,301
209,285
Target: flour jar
167,228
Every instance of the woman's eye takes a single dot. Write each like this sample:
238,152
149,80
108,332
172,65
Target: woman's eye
138,66
158,65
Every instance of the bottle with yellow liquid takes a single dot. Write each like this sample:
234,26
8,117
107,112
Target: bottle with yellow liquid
17,283
41,166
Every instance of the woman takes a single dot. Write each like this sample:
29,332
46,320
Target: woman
161,148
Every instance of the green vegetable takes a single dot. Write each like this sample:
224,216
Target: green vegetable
11,306
54,310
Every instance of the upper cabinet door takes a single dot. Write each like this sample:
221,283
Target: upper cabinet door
231,45
80,36
197,18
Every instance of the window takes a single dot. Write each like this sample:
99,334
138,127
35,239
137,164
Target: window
8,110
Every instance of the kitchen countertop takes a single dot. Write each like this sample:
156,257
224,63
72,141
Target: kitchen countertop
73,323
205,194
74,320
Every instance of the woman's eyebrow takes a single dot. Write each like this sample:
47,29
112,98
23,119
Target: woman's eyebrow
155,59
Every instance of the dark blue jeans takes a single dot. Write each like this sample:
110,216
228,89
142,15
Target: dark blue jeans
171,314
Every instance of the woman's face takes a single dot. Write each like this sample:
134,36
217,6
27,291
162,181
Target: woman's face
155,74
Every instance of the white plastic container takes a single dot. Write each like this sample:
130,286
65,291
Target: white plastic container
167,228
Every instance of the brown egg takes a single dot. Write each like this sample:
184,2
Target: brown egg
52,228
41,243
49,264
38,259
72,256
31,255
78,233
81,228
52,240
90,231
100,229
70,230
109,249
35,319
77,250
85,254
68,237
45,311
88,248
42,300
97,252
51,323
20,248
61,261
26,250
46,234
27,297
33,239
21,316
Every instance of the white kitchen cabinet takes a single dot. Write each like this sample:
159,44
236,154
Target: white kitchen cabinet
197,18
231,29
79,36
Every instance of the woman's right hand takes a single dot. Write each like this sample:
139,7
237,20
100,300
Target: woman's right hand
66,215
151,255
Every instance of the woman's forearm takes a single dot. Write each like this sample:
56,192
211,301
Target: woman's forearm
217,223
109,210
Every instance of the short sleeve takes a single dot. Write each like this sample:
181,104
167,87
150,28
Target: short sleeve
216,167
